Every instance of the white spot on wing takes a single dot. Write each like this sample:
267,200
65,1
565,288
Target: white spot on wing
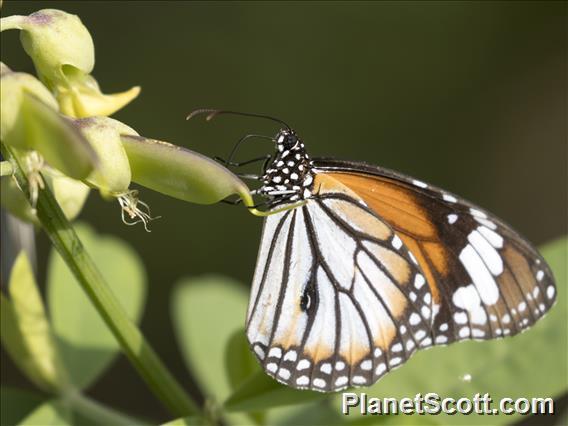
290,356
449,198
495,239
396,242
284,373
419,281
414,319
275,352
487,252
550,291
482,279
478,213
452,218
320,383
419,183
359,380
441,339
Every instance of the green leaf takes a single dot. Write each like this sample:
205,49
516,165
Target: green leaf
320,412
207,311
17,404
87,346
260,392
532,364
186,421
26,333
51,413
181,173
240,363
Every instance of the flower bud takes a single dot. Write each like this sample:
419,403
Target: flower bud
181,173
54,40
64,56
29,121
70,194
112,176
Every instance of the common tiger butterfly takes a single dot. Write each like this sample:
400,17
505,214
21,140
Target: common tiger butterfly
360,266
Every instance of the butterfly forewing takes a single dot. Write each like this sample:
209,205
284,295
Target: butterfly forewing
337,298
487,280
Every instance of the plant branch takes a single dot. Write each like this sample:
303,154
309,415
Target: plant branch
136,348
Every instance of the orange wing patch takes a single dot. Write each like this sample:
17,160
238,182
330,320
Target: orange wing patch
399,207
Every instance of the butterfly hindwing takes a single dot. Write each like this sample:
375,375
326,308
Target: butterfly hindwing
337,298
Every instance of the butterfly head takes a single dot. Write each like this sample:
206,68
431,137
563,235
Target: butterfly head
289,175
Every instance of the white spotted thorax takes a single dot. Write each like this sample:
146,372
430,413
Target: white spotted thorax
289,176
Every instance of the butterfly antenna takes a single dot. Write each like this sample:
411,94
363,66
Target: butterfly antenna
212,113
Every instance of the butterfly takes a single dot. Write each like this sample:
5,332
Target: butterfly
360,266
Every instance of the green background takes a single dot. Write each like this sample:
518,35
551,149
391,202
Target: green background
470,96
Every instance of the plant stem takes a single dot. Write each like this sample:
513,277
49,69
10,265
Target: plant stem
99,413
136,348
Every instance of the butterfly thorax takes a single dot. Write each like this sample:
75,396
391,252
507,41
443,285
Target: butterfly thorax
289,175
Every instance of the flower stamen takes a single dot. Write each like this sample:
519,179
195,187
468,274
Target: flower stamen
130,204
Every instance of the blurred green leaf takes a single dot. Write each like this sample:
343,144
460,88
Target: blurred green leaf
26,333
51,413
532,364
87,346
186,421
320,412
240,363
16,404
260,392
207,311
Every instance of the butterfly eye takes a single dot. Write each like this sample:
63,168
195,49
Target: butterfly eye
290,141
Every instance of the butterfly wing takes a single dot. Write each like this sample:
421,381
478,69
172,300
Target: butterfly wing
337,299
486,280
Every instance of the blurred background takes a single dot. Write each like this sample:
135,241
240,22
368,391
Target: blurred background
469,96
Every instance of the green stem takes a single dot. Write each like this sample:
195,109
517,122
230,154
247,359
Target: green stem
99,413
6,168
133,343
